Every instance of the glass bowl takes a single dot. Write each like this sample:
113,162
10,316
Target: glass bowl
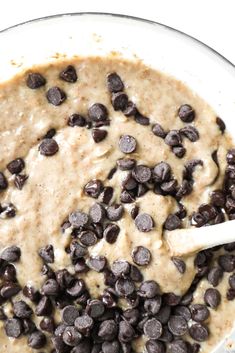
96,34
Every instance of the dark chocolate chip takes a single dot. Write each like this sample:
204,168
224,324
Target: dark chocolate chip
69,74
183,311
120,268
35,80
37,340
48,147
84,324
71,336
131,316
126,332
129,183
141,173
111,173
93,188
95,308
124,287
179,151
126,163
141,119
153,328
178,346
3,182
231,156
173,138
16,166
98,112
184,189
158,130
171,299
28,326
190,167
47,254
77,288
80,266
229,247
135,274
108,330
59,345
11,254
98,135
166,335
49,134
115,212
9,290
153,346
106,195
47,324
97,213
199,332
130,109
111,232
179,264
212,297
20,180
44,307
230,295
119,100
77,250
70,314
169,187
217,198
149,289
231,281
76,120
141,256
199,312
22,310
55,96
50,288
126,197
208,211
13,328
87,238
31,293
78,219
110,347
127,144
221,124
177,325
190,132
162,172
134,211
187,299
227,262
97,263
186,113
144,222
214,276
172,222
152,306
114,82
9,273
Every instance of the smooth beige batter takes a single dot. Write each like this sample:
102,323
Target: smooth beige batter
55,184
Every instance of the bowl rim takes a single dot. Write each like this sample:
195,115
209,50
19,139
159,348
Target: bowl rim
120,16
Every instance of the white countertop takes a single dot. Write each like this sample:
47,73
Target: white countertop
211,21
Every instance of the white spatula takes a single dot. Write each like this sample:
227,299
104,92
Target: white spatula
188,241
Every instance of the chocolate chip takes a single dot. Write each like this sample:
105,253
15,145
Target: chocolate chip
80,266
84,324
78,219
184,189
98,112
97,263
173,138
169,187
131,316
190,167
217,198
141,119
230,295
120,268
129,183
141,256
190,132
59,345
50,287
22,310
141,173
186,113
31,293
28,326
111,232
130,109
95,308
47,324
199,332
221,124
152,306
13,328
44,307
9,273
158,130
178,346
87,238
227,262
69,74
187,298
115,212
183,311
152,346
127,197
3,182
171,299
212,297
162,172
126,332
47,254
172,222
70,314
126,163
231,156
97,213
35,80
55,96
77,288
106,195
20,180
11,254
231,281
134,211
135,274
166,335
72,336
111,173
37,340
16,166
108,330
229,247
119,100
93,188
177,325
214,276
149,289
127,144
49,134
199,312
179,151
124,287
76,120
179,264
153,328
48,147
77,250
144,222
98,135
114,82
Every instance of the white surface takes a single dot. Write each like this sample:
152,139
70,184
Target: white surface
211,21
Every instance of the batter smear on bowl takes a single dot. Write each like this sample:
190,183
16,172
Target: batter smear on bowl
99,156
